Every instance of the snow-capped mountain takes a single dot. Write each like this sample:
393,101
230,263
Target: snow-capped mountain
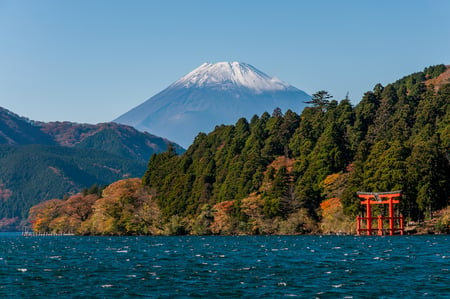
226,75
210,95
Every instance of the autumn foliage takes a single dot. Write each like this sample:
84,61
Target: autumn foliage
125,207
334,221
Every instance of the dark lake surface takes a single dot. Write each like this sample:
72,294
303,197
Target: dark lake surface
217,267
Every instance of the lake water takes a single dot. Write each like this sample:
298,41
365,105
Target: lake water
211,267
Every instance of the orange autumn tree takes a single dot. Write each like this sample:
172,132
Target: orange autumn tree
333,218
127,208
42,215
73,212
223,223
62,216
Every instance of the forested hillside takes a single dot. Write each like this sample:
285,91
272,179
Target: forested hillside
117,139
34,173
40,161
289,173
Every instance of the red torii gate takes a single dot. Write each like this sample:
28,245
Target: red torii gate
372,198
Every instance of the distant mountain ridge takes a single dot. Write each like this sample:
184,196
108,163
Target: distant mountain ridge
122,140
15,129
210,95
114,138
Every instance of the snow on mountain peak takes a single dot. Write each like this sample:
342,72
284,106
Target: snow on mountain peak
230,75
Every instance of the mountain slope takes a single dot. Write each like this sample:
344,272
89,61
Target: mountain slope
121,140
33,173
39,161
19,130
211,95
113,138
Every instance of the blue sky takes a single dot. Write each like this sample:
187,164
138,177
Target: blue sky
92,60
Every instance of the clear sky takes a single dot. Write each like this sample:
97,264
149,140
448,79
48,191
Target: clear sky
92,60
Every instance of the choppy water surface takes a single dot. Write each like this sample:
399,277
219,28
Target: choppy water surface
267,267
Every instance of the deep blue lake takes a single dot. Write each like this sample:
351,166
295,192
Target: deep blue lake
211,267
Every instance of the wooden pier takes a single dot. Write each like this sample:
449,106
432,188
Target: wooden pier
35,234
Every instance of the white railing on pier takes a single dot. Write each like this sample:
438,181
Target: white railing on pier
36,234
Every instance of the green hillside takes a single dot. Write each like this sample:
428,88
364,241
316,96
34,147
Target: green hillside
34,173
74,157
397,137
117,139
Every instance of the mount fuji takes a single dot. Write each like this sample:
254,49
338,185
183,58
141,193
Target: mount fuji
210,95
